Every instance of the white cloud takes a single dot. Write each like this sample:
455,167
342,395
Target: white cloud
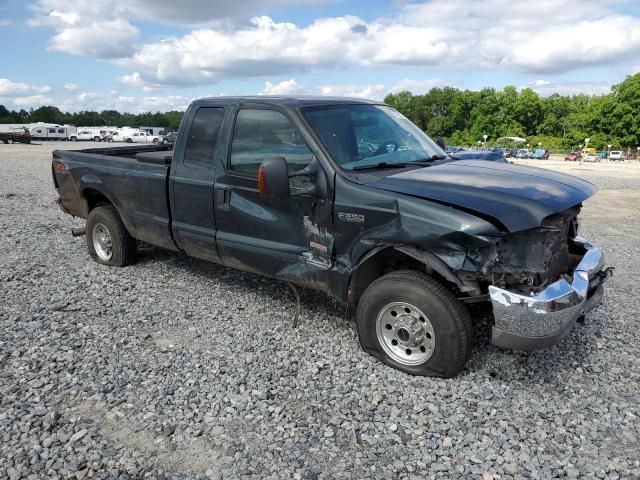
71,87
528,36
101,39
4,22
378,91
185,12
546,88
29,101
104,28
20,89
286,87
372,91
113,100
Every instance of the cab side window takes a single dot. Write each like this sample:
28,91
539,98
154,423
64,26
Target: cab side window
261,134
203,136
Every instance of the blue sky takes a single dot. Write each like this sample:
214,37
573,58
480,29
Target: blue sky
159,54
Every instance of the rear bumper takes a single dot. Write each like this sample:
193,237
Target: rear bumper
538,320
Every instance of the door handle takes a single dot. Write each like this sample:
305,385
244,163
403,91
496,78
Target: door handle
223,196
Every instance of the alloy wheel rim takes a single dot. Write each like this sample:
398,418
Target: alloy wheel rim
102,242
405,333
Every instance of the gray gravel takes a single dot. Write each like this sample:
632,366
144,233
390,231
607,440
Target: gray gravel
175,368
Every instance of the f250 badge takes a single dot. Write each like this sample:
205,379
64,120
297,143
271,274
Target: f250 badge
350,217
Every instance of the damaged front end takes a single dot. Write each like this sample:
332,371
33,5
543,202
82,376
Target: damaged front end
539,281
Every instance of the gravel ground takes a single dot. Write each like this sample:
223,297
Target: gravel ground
175,368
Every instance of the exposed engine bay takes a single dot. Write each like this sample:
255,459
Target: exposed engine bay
530,260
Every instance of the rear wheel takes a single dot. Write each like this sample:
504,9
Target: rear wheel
108,240
73,139
411,322
155,140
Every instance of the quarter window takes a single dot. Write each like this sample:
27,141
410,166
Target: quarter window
262,134
203,136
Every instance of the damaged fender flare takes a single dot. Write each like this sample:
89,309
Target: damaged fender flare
436,264
425,258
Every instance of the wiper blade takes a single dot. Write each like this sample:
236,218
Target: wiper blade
432,158
379,165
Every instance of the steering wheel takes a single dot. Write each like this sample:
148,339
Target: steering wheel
384,147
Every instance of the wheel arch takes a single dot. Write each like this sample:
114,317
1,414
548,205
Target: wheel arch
383,259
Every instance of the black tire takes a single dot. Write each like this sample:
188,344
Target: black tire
74,139
123,245
155,140
128,140
448,318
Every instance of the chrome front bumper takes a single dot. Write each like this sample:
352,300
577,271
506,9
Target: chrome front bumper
530,321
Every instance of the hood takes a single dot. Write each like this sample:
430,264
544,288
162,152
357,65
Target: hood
518,197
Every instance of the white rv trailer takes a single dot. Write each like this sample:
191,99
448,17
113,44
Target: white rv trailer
49,131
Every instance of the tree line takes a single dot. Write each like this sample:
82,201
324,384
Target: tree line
170,121
462,117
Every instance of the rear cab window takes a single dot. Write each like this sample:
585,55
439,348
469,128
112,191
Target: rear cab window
203,137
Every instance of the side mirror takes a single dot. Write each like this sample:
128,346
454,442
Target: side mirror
273,178
440,143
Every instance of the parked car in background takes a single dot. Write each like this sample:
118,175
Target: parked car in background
602,155
590,157
540,154
509,152
488,156
616,156
142,137
573,156
171,138
452,149
88,134
522,153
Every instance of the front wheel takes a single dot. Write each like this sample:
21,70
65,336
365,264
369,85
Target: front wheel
411,322
108,240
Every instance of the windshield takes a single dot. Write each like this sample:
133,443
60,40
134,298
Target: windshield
358,136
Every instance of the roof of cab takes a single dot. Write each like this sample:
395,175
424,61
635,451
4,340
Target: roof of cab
289,100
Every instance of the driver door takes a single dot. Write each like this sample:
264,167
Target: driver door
291,238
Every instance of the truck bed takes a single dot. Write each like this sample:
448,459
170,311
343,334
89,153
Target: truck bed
133,178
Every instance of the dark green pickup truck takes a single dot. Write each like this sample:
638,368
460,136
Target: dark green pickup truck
349,197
